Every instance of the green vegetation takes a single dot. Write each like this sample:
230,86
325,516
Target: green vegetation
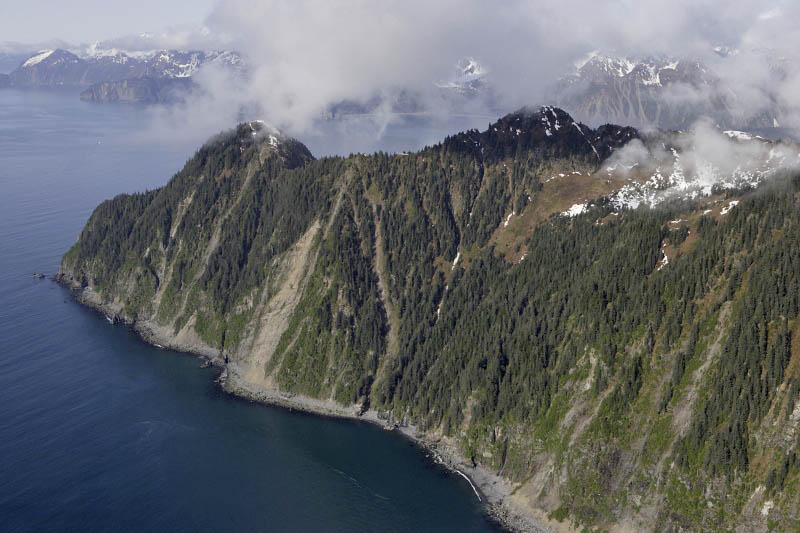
638,388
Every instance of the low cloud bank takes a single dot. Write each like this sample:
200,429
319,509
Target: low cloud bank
305,57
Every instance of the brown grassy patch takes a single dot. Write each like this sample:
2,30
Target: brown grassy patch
793,368
557,195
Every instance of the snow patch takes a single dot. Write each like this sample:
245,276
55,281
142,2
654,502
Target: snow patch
767,507
38,58
740,135
731,205
652,77
455,261
259,128
575,210
704,164
664,261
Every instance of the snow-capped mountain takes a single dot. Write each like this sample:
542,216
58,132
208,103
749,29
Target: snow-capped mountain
462,90
664,92
162,63
469,80
648,72
95,64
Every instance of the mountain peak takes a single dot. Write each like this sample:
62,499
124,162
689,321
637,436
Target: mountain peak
51,57
292,152
38,58
656,90
554,130
99,64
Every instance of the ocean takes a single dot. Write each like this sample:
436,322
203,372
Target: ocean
100,431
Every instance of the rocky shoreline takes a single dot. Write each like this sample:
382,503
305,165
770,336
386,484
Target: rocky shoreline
492,490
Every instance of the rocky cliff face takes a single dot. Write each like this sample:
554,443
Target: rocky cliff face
459,289
3,81
139,90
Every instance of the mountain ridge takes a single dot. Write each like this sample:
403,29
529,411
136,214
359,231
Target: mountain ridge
663,92
447,290
113,75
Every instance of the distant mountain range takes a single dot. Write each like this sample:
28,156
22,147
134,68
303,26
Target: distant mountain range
470,78
666,92
111,74
115,75
663,92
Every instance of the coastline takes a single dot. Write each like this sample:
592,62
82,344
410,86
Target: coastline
492,491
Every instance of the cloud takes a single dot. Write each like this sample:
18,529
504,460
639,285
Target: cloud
304,56
696,162
179,37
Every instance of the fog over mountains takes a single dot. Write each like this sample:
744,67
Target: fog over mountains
666,66
663,92
666,92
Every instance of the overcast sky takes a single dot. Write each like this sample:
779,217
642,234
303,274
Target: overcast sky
32,21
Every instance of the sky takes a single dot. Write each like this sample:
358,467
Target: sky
32,21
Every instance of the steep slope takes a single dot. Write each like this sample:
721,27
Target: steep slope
446,289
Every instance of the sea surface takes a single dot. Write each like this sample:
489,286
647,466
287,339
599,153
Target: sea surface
100,431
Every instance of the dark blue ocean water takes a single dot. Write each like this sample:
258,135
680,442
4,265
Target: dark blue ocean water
100,431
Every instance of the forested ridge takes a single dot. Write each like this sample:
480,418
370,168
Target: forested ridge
446,288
